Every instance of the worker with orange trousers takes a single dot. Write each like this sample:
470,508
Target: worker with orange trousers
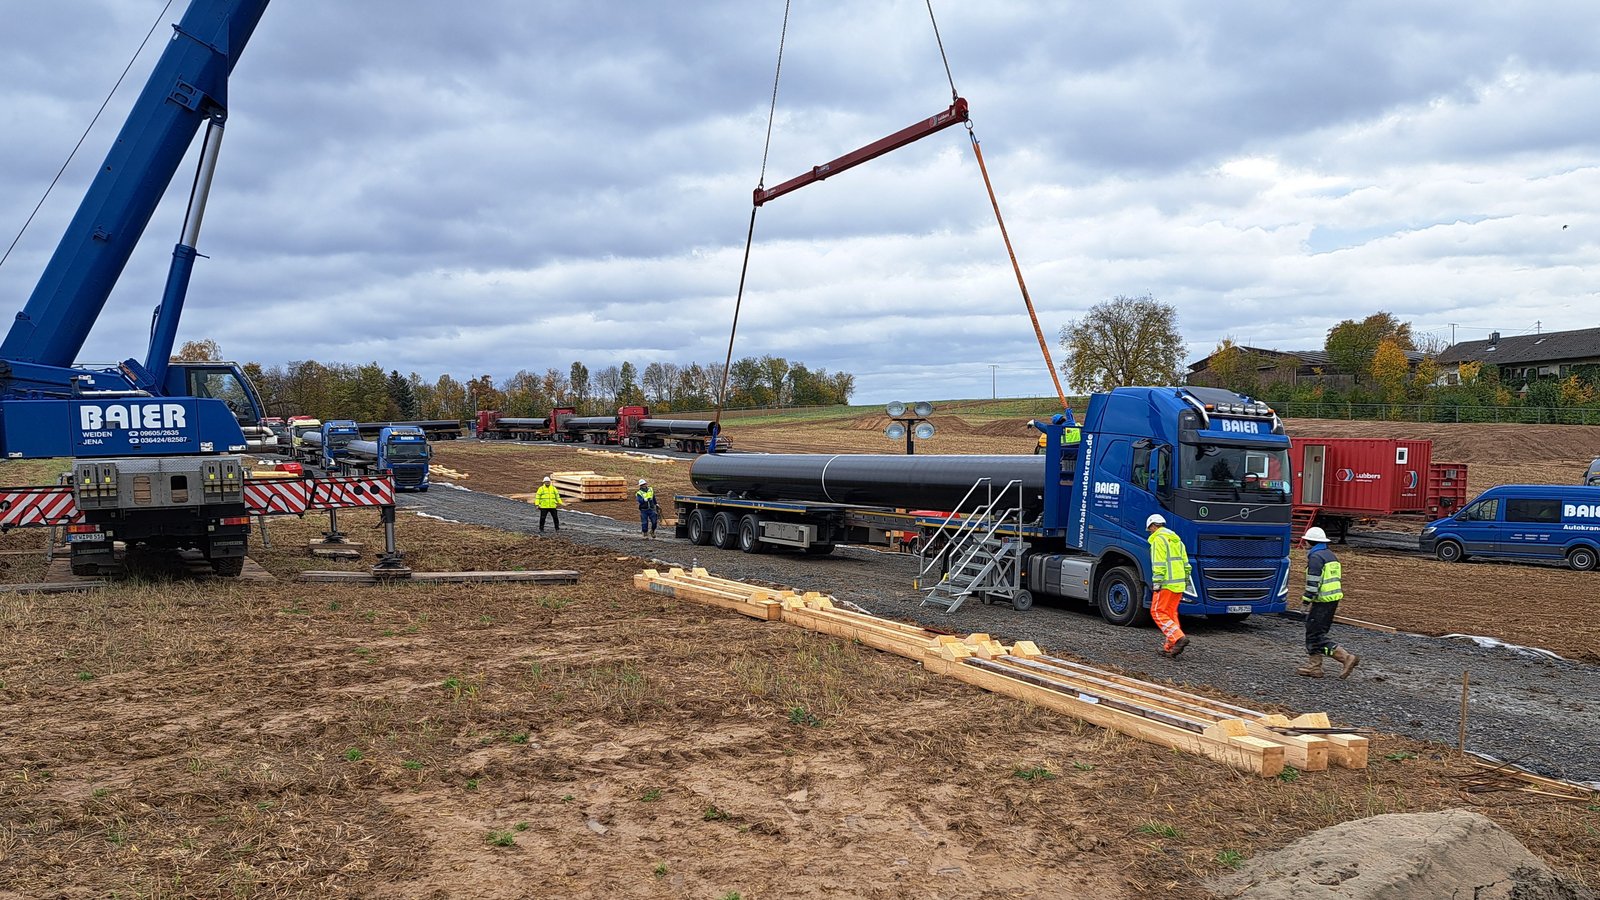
1169,578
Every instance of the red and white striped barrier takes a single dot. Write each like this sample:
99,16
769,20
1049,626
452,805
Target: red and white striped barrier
277,498
39,507
31,507
346,491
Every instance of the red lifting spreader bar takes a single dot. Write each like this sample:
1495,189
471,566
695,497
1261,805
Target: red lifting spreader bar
956,113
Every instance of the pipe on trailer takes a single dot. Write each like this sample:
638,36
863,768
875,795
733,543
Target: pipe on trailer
908,482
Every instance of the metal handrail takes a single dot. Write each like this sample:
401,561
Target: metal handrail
966,537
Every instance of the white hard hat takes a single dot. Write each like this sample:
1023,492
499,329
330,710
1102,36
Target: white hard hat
642,481
1315,535
1156,519
547,479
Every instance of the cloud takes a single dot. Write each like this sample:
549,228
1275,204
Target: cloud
501,186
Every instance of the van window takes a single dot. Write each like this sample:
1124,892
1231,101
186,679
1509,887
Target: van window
1482,511
1533,510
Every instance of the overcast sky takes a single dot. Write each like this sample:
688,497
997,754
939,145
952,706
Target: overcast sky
483,187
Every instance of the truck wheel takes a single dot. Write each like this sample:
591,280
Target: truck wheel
1022,600
750,535
1582,559
1449,551
228,566
699,527
819,549
1119,598
724,531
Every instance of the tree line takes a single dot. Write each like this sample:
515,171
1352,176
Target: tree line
370,393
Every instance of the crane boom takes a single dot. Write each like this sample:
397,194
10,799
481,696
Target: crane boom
188,87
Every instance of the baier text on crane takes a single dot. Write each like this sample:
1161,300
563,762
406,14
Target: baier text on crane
146,423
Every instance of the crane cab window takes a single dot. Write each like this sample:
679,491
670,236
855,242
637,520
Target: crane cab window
224,385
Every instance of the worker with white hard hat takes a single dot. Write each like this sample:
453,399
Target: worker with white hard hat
548,499
649,510
1324,590
1169,578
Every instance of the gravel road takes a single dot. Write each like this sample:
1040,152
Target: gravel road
1523,706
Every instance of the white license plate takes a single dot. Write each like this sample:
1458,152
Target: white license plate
1234,609
87,537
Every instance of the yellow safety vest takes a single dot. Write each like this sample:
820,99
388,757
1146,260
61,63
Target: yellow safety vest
1327,584
1169,561
1072,436
547,497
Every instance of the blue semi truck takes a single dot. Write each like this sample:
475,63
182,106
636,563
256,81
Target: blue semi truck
401,451
1213,463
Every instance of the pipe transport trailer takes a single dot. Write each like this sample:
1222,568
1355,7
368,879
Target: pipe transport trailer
1214,464
492,426
301,428
1339,480
635,428
154,444
401,451
433,429
632,426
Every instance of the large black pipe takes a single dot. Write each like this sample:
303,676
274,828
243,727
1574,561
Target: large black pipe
676,426
573,423
506,422
907,482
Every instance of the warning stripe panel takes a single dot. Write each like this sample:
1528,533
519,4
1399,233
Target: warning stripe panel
38,507
352,491
277,498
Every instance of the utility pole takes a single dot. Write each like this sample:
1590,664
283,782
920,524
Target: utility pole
1452,334
994,393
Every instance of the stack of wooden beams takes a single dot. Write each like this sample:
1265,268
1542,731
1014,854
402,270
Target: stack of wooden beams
1247,739
590,486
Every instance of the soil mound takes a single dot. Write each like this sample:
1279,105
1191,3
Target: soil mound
943,424
1405,856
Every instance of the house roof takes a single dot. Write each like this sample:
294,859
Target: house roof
1528,348
1314,358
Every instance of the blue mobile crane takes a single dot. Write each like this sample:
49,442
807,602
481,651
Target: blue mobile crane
154,444
1069,523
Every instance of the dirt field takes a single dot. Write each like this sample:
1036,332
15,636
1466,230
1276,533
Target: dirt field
202,739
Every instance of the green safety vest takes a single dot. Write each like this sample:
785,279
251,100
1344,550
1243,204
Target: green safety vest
1072,436
1169,561
547,497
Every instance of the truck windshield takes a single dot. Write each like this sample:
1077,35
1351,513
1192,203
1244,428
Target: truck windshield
1236,470
409,452
338,441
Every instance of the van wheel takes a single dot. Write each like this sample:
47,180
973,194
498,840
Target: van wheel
1449,551
699,527
1582,559
750,535
1119,598
724,531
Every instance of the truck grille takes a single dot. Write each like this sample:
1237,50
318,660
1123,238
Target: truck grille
408,477
1230,594
1219,573
1216,547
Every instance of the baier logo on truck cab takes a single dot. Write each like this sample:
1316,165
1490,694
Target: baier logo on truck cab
1238,426
129,424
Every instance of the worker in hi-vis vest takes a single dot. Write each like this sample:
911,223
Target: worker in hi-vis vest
1070,438
1324,590
1169,578
548,499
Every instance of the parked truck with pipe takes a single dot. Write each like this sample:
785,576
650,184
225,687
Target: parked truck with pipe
492,426
1069,523
401,451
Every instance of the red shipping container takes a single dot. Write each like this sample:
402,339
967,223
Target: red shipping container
1361,476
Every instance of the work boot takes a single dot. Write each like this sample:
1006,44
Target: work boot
1313,666
1347,659
1178,647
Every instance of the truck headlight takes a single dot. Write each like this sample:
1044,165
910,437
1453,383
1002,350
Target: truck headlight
1283,584
1428,530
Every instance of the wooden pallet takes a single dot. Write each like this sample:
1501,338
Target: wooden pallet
586,485
1244,738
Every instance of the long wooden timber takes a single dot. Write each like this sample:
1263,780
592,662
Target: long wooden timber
548,576
1244,738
